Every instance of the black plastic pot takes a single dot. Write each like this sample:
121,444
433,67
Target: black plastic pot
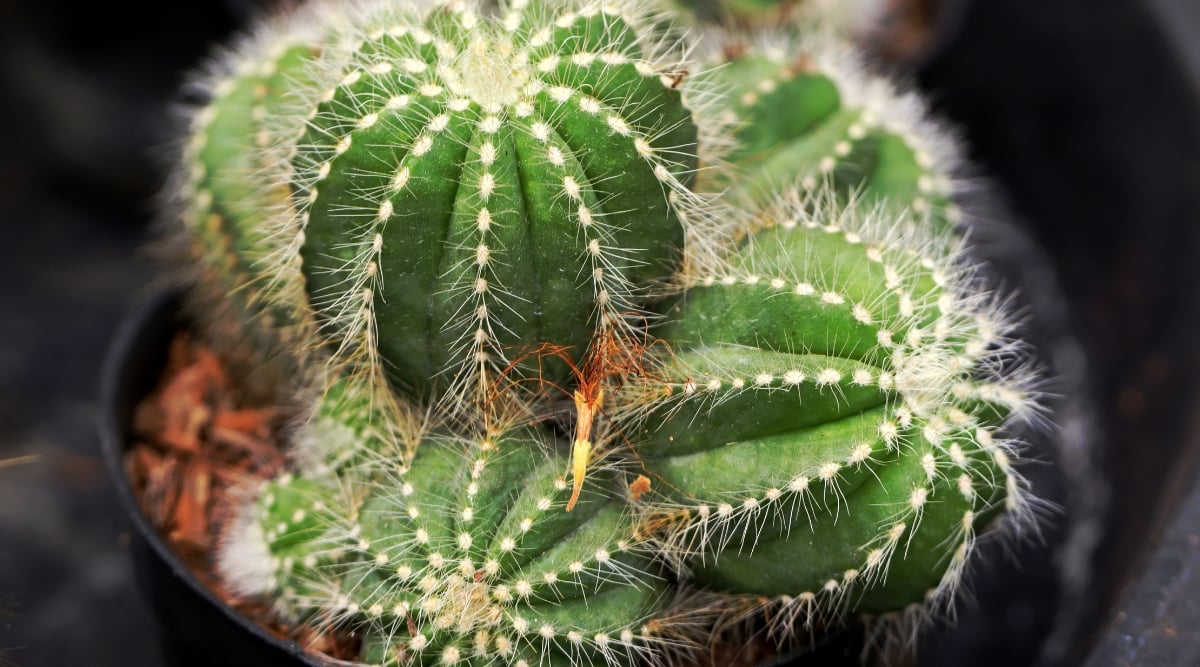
197,629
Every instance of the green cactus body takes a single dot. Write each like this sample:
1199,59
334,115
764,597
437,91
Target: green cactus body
461,185
344,434
821,428
461,554
227,139
226,210
738,11
806,113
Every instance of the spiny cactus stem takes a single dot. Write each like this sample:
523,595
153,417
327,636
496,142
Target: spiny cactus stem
527,88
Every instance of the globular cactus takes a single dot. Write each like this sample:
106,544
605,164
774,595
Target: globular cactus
420,189
828,432
806,111
452,223
450,550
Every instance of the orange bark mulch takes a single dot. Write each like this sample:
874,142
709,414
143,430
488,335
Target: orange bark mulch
196,443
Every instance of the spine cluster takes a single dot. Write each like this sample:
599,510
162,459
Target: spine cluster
595,345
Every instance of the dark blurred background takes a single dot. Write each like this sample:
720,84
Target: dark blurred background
1082,114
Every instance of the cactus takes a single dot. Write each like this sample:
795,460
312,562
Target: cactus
224,213
826,432
847,16
807,111
438,548
436,188
469,233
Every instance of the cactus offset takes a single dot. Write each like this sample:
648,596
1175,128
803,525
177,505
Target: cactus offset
226,213
847,16
460,552
807,111
827,431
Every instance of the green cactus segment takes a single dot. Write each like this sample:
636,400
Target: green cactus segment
472,184
250,301
819,425
897,535
345,433
296,520
228,203
228,206
771,461
296,512
839,15
466,551
809,97
806,115
717,10
233,134
833,301
785,391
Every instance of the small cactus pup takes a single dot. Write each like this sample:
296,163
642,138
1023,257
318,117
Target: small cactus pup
446,184
807,110
831,430
436,548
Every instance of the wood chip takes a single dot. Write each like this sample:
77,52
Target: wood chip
256,422
161,491
191,529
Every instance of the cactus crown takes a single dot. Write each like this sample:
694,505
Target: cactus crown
443,224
